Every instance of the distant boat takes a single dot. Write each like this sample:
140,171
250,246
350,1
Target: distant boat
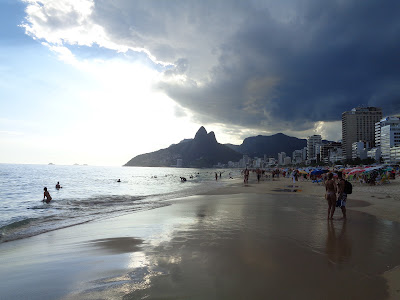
51,164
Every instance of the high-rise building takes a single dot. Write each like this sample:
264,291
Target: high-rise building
313,144
384,122
359,125
281,158
390,137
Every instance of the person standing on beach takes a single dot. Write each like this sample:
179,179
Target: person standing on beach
246,176
330,195
46,196
216,176
342,196
258,171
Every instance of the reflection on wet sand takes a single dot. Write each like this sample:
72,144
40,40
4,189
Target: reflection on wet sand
273,247
338,246
116,245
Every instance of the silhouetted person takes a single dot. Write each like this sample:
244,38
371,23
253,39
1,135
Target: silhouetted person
58,185
342,196
46,196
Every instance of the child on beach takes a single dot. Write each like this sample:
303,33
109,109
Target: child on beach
46,196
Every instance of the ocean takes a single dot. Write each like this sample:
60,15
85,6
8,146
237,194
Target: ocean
90,193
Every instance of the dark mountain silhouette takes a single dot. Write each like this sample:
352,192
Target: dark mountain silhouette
202,151
257,146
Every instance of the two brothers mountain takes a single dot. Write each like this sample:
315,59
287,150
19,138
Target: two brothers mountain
205,151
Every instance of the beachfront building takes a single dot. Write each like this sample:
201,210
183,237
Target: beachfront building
375,153
313,145
232,164
389,137
297,157
393,121
281,158
359,125
272,161
325,150
245,161
304,153
395,155
359,150
287,161
258,162
336,155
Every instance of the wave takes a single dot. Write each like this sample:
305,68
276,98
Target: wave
66,213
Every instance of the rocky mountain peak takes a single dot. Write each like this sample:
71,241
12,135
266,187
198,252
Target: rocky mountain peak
202,132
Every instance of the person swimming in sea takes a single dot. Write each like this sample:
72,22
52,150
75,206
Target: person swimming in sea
46,196
58,186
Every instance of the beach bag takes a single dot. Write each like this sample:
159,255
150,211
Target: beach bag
348,187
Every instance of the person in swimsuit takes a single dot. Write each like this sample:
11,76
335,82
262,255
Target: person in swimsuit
330,195
46,196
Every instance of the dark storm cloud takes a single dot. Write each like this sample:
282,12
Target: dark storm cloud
329,58
281,65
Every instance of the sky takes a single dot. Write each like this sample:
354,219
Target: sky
98,82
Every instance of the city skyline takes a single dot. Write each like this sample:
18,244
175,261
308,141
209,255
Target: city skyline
94,82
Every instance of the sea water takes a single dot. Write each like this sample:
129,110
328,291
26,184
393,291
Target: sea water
90,193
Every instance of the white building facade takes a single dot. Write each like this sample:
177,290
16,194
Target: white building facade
389,137
313,144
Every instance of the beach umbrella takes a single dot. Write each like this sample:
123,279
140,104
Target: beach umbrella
317,172
355,171
303,172
372,169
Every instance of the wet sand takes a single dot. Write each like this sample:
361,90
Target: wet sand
240,242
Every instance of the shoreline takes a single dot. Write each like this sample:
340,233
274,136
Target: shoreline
232,241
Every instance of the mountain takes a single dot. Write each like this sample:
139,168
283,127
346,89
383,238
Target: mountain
257,146
202,151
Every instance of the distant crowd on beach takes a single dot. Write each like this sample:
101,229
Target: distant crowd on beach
337,181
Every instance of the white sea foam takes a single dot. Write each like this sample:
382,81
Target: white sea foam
89,193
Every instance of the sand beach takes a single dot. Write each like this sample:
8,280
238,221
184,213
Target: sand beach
267,240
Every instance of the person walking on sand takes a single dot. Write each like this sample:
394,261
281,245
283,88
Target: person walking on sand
46,196
330,195
342,196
